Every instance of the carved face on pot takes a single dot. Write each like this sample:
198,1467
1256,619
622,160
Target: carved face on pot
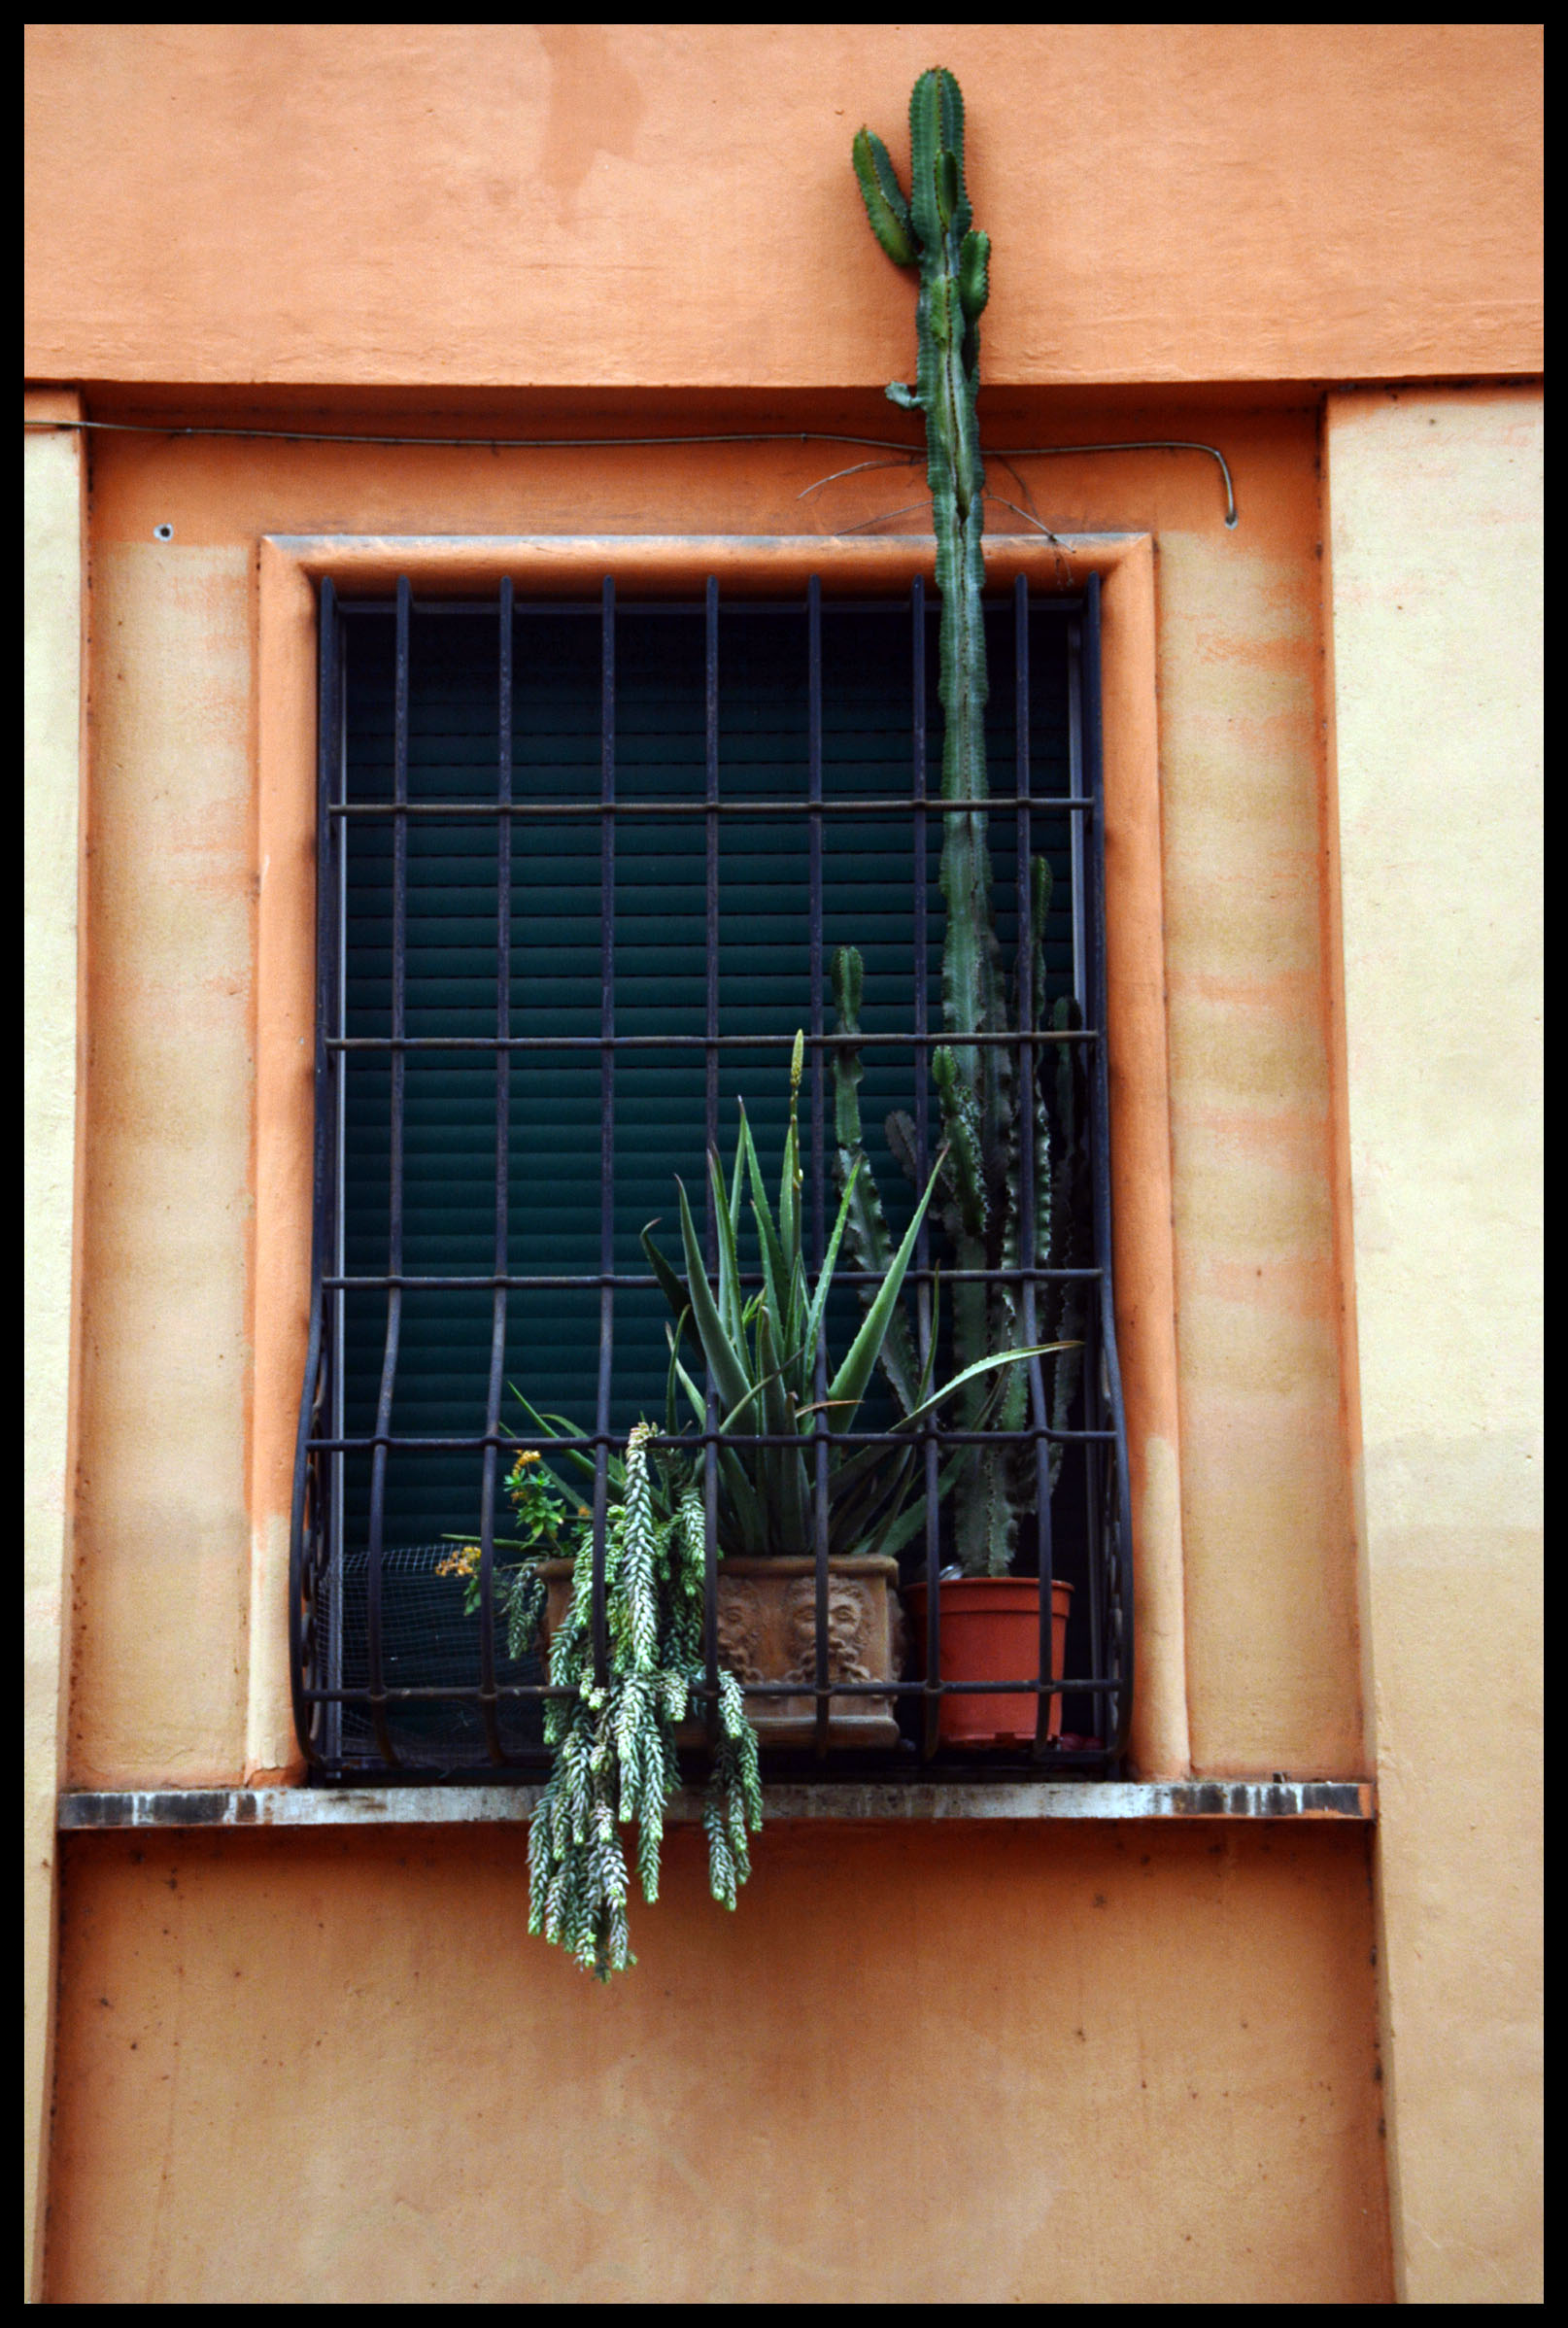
848,1624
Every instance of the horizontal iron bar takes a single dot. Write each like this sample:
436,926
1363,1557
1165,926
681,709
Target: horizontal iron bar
699,1043
784,804
746,1277
413,1442
589,609
447,1693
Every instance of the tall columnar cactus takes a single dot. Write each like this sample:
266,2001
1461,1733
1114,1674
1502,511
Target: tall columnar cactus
934,231
979,1184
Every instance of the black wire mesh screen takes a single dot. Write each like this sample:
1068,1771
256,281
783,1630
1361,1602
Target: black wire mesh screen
584,871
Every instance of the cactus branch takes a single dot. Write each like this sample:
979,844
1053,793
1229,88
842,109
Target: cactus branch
982,1110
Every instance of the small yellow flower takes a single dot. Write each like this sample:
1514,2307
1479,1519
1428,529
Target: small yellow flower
530,1455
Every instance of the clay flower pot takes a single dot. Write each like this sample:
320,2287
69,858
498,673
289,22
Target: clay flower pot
767,1632
990,1632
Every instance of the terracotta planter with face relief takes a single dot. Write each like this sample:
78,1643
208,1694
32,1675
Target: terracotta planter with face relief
767,1632
990,1632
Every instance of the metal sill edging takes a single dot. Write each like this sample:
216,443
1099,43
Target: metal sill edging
479,1805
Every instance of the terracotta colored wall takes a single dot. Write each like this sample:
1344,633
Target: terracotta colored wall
165,1547
327,2066
655,203
1248,2157
1018,2065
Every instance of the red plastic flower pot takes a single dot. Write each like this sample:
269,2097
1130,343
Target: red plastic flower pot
990,1632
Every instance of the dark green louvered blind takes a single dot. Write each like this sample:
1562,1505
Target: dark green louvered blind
763,961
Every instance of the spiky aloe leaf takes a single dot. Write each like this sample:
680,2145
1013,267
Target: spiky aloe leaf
741,1506
850,1381
781,1468
674,1291
730,1301
981,1366
728,1366
775,1268
819,1299
789,1178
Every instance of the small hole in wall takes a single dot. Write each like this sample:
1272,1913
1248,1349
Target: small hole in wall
163,534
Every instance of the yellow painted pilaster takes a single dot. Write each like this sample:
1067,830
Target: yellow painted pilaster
51,796
1436,549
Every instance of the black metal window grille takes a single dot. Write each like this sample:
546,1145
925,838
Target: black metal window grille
388,1678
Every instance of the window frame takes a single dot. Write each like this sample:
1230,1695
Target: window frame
291,568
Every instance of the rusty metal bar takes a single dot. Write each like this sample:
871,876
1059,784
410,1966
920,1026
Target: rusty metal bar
503,1103
394,1232
710,1126
819,1166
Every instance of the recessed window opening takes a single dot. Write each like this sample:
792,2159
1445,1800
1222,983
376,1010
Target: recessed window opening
584,871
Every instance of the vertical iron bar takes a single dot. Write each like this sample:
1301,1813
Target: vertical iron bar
1107,1384
1075,786
337,1384
503,1100
607,1098
819,1360
710,1417
1088,853
303,1575
394,1239
1029,1163
1094,1470
932,1446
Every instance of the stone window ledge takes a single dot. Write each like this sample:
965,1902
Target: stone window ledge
479,1805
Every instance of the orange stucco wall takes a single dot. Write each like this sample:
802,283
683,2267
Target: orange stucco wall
177,1013
1247,2154
1012,2062
1283,2186
654,203
1004,2066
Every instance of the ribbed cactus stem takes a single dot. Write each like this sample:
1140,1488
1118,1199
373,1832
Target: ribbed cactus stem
933,229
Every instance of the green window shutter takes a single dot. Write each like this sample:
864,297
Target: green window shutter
660,987
762,954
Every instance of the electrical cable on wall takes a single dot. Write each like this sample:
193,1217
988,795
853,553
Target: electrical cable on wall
608,444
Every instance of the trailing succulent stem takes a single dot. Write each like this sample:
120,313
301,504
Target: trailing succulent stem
615,1742
978,1183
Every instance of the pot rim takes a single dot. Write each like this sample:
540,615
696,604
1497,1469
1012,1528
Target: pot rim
789,1563
950,1588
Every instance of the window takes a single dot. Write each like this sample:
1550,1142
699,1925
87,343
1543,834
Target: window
583,868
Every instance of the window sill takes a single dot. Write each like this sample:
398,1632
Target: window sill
470,1805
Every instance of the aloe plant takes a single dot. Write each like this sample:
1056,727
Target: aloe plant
761,1353
977,1089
